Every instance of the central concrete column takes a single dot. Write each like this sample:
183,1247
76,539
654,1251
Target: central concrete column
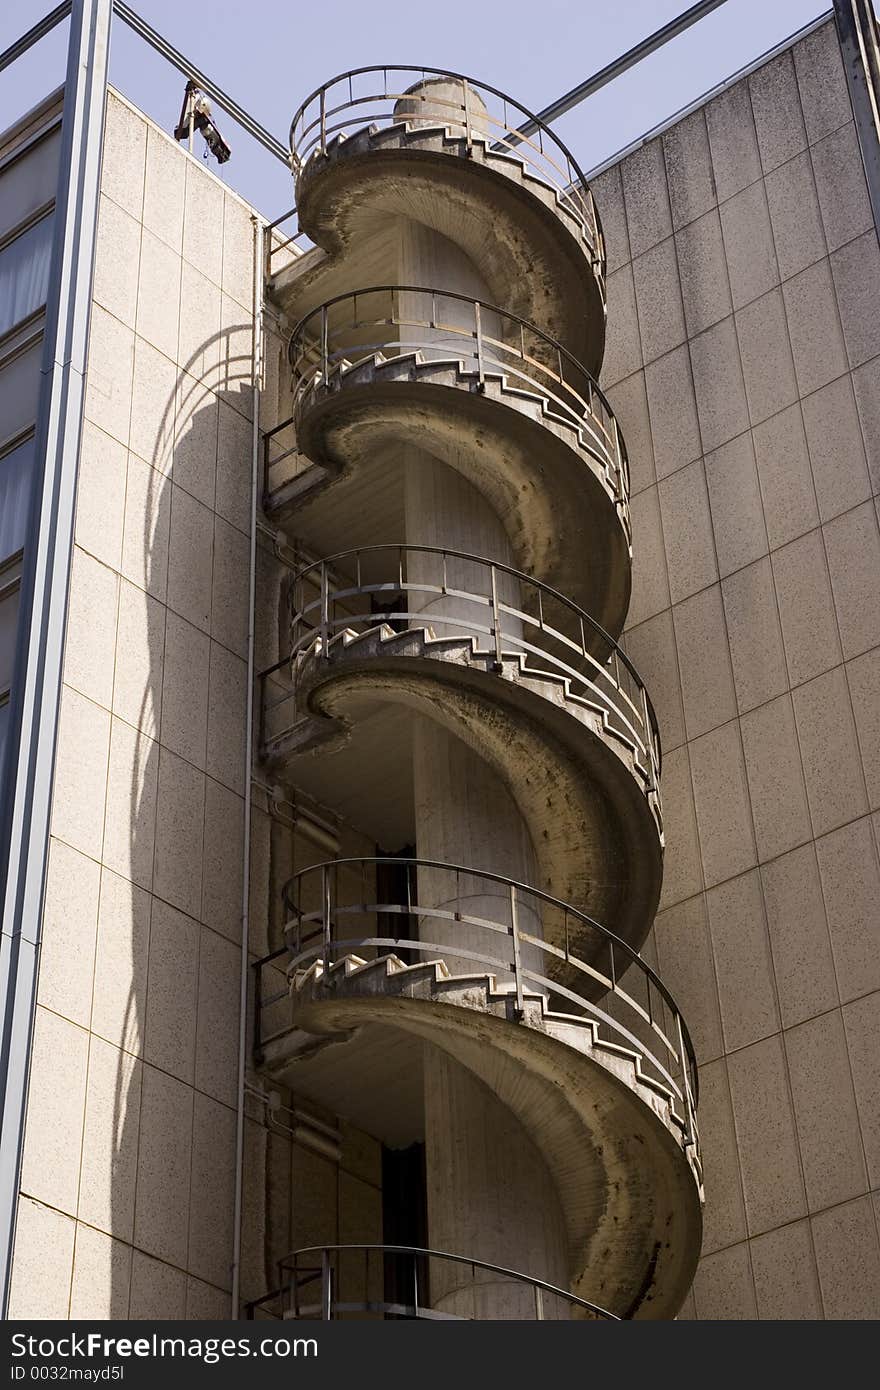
490,1195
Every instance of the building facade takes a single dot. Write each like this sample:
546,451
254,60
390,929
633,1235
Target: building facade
342,557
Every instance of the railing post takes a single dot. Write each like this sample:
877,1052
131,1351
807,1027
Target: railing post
415,1260
325,610
323,101
649,741
326,1287
690,1136
467,114
478,321
325,350
539,1303
517,964
498,664
326,919
617,457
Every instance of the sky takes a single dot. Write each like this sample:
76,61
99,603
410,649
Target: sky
269,57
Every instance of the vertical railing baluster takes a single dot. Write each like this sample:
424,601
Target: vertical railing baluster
467,114
539,1303
618,462
323,100
325,362
517,965
481,376
496,620
415,1264
690,1136
324,609
326,924
648,739
326,1287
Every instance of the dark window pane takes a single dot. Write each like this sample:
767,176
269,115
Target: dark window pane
24,273
15,496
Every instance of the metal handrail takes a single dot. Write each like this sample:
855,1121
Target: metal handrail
540,150
319,349
570,654
289,243
330,1302
310,938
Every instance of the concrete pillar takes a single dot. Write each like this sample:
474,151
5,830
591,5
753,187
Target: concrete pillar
490,1196
489,1193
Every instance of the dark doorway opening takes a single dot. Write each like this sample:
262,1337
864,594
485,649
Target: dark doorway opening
405,1222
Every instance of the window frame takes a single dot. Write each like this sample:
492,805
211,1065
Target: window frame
19,230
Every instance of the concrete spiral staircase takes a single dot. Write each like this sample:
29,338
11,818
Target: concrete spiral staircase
541,468
616,1131
535,251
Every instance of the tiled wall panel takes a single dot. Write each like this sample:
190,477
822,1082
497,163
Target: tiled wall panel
126,1206
743,321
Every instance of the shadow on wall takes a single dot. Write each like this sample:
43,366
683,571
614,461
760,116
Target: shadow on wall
174,1111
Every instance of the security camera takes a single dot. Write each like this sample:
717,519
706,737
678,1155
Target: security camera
196,114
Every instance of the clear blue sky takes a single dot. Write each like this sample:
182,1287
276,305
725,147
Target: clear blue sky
269,56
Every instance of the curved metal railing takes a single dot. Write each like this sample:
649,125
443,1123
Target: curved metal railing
442,326
457,594
329,1281
382,96
529,940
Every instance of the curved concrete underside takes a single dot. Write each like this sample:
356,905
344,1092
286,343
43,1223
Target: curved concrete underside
531,250
629,1189
578,784
545,485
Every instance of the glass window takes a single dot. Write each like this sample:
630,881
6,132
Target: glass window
9,602
28,181
4,720
4,713
15,495
24,273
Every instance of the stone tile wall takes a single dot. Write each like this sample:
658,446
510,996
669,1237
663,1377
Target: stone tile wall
744,363
126,1205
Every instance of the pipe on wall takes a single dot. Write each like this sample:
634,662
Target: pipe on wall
256,460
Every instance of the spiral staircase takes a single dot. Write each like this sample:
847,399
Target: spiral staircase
453,683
